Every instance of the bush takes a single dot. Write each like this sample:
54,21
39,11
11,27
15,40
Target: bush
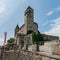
29,32
37,38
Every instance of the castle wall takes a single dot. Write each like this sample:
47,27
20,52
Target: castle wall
28,55
49,37
57,49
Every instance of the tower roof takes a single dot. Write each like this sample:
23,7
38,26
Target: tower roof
28,9
17,27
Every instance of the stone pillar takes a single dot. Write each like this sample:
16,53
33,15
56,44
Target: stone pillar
34,47
26,47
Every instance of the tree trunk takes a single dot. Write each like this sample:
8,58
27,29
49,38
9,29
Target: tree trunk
37,47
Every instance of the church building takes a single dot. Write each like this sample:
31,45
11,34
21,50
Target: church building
21,36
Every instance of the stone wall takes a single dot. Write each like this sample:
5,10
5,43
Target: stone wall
8,56
27,55
50,37
57,49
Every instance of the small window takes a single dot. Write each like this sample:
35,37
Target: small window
29,15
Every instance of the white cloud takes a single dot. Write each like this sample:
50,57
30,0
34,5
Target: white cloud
53,11
2,10
58,9
50,13
1,41
45,23
55,30
2,7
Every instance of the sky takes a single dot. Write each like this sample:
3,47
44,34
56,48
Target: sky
46,14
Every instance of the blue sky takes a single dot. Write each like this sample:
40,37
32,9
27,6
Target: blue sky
46,14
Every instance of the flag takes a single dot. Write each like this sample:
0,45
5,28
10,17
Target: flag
5,36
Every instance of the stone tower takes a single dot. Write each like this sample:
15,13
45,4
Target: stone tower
16,29
21,35
28,19
15,34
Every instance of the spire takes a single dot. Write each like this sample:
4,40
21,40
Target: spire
17,27
28,9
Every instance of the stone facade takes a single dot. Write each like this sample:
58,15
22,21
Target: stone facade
29,24
50,37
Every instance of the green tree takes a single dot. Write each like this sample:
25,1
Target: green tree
10,42
37,39
29,31
40,39
34,37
